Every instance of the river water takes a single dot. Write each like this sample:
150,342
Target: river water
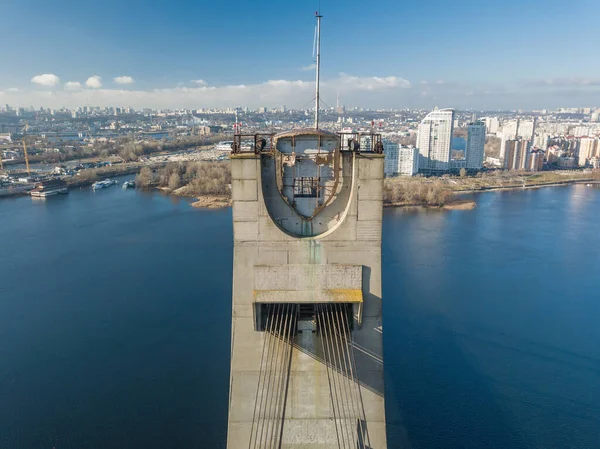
115,322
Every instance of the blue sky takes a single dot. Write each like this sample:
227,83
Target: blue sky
464,54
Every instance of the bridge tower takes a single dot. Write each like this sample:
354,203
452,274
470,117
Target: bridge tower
306,349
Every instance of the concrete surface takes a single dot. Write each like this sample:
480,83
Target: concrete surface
278,253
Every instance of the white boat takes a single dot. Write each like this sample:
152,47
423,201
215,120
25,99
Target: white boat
103,184
128,184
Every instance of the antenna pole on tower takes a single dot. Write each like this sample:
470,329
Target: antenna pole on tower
318,64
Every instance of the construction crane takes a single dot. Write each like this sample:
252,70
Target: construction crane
25,149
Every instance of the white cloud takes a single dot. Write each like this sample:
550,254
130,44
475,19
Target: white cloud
73,85
372,82
562,82
13,89
354,90
124,80
286,83
95,82
47,79
309,67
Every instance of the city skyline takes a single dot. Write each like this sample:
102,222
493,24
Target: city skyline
185,55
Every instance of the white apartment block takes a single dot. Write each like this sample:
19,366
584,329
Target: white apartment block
525,129
475,145
400,160
434,140
408,161
581,131
492,124
541,140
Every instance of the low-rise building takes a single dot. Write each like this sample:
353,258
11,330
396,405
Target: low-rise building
457,164
567,162
493,161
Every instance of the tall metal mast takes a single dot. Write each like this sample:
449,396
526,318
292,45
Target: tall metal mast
318,16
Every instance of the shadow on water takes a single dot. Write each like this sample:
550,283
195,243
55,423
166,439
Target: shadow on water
436,398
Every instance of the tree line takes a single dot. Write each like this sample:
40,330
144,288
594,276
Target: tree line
188,178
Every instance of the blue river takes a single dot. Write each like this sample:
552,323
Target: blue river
115,322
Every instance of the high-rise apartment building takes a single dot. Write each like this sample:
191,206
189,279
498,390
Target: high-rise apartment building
581,131
400,160
541,140
588,148
475,145
408,161
518,128
492,124
535,160
390,150
516,154
434,140
503,143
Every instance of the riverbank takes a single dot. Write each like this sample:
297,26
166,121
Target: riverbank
453,204
444,192
532,186
518,180
90,176
209,184
212,202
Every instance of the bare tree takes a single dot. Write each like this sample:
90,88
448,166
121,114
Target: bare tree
145,178
492,147
174,181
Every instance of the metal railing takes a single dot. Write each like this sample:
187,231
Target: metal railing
264,143
361,142
252,143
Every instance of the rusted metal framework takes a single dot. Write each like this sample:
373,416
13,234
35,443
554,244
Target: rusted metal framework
308,187
317,186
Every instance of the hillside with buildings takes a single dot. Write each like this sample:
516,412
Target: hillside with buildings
474,149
